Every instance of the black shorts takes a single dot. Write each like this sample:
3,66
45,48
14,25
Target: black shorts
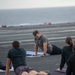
22,69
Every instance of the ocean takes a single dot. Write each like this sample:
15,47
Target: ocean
36,16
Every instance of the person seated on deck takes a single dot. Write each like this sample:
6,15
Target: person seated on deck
42,42
66,52
17,56
71,64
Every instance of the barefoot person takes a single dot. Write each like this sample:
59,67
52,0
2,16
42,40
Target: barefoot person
42,42
66,52
17,56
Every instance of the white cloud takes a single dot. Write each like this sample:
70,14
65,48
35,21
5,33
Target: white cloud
34,3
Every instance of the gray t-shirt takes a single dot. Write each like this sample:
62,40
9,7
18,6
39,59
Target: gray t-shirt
42,40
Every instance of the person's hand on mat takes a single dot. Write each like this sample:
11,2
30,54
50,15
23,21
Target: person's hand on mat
58,69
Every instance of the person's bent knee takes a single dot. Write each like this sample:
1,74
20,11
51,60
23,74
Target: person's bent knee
33,72
24,73
42,73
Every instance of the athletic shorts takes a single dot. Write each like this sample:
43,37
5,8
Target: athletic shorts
22,69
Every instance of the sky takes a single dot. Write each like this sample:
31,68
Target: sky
18,4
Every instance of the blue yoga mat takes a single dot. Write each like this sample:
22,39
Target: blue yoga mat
30,54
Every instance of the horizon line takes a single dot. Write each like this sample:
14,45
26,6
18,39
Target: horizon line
35,7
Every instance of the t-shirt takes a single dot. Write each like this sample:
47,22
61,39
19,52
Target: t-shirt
17,56
42,40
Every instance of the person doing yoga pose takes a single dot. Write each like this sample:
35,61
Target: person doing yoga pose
42,42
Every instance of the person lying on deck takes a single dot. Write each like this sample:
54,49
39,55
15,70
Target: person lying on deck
42,42
17,56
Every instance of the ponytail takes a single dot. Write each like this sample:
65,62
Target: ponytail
71,43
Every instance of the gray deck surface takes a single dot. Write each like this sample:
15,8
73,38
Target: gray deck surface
56,35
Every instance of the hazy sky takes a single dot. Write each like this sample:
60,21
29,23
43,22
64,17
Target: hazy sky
11,4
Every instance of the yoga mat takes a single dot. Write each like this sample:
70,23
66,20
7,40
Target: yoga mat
30,54
61,71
